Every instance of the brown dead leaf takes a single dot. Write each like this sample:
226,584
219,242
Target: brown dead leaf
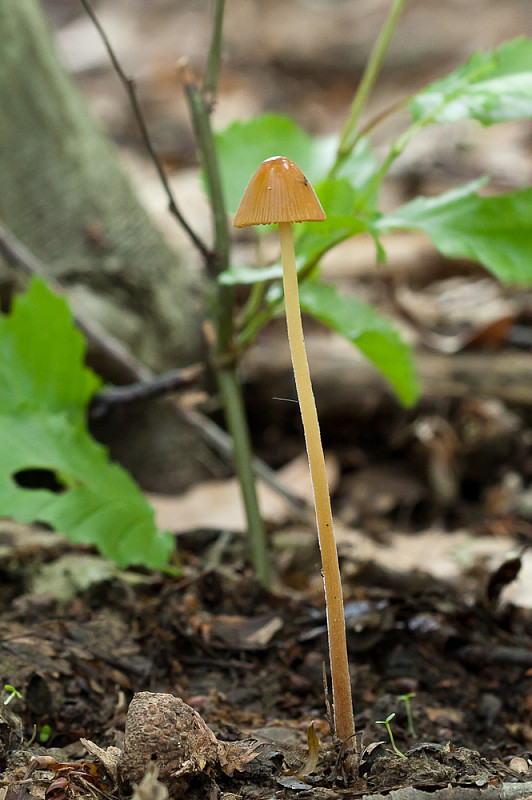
444,715
218,505
436,552
459,312
233,757
244,633
109,756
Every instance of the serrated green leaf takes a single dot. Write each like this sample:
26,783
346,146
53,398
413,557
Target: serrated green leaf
242,146
490,87
369,331
495,231
44,391
42,354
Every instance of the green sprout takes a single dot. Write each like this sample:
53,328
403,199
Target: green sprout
408,707
45,733
390,734
12,693
33,736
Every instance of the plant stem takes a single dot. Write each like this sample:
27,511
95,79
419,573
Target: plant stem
207,147
223,443
236,422
252,324
212,70
349,135
223,355
380,116
253,305
386,722
409,718
255,324
341,683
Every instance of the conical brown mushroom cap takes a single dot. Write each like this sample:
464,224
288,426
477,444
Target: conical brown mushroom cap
278,192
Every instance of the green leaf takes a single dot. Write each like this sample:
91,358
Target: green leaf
101,505
313,239
242,146
247,275
495,231
359,169
44,391
41,354
490,87
372,333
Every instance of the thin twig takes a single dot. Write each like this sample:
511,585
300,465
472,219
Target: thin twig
382,115
171,381
350,135
129,85
132,369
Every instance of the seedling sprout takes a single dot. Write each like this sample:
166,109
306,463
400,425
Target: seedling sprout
390,734
408,708
12,693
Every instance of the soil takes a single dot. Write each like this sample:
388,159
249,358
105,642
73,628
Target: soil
250,663
224,680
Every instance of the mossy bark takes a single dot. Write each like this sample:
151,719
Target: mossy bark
64,194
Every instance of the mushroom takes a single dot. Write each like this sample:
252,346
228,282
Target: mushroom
279,193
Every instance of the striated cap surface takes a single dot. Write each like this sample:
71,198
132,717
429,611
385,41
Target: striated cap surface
278,192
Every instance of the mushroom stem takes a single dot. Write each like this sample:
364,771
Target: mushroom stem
341,684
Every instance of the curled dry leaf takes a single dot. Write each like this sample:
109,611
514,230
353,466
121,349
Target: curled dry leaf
109,757
311,761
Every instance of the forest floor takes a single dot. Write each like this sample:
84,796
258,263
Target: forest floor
77,639
433,506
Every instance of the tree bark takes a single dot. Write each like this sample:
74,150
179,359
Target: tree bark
64,194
